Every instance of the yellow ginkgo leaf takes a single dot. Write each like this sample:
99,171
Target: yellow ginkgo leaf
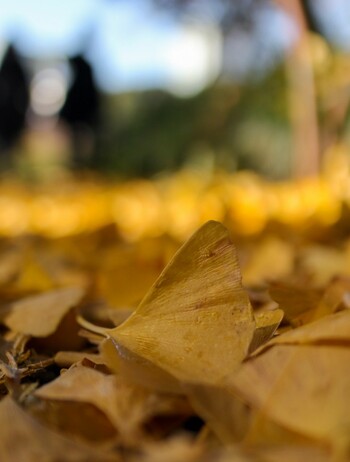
196,322
128,407
225,414
267,322
25,439
298,301
272,259
303,388
334,328
40,315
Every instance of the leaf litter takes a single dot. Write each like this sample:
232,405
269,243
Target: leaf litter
201,367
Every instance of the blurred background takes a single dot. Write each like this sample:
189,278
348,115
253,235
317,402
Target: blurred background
133,88
202,89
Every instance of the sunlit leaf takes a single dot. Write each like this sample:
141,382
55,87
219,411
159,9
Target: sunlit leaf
196,322
304,388
267,322
40,315
334,328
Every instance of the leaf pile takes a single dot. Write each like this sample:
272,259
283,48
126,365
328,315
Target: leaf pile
175,205
96,366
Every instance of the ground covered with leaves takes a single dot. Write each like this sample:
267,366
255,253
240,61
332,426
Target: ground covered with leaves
134,346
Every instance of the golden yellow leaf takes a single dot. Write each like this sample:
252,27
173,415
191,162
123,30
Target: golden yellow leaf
40,315
322,263
267,322
220,407
271,259
334,328
303,388
137,369
176,449
76,420
196,322
128,407
299,302
303,304
10,266
24,439
272,453
118,316
127,272
335,297
222,411
126,286
292,453
68,358
33,277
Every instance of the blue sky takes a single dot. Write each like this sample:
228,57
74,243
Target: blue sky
134,46
128,40
334,16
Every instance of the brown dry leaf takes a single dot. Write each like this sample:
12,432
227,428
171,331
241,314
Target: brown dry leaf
302,305
68,358
196,322
222,411
33,276
126,272
267,322
298,302
292,453
40,315
126,286
137,369
118,316
335,297
80,421
127,407
264,432
179,449
272,453
334,328
303,388
272,259
102,314
24,439
323,263
10,266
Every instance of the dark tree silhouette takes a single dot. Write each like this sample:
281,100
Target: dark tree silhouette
14,101
81,111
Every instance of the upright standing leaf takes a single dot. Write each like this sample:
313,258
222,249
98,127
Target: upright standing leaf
196,322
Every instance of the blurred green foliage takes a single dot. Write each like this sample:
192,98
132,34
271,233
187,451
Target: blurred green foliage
227,126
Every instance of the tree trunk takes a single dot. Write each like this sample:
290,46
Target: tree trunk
302,100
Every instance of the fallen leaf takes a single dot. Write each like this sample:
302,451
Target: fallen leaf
298,302
68,358
322,263
267,322
24,439
128,407
271,259
334,328
173,450
223,412
40,315
10,266
137,369
303,388
196,322
33,276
